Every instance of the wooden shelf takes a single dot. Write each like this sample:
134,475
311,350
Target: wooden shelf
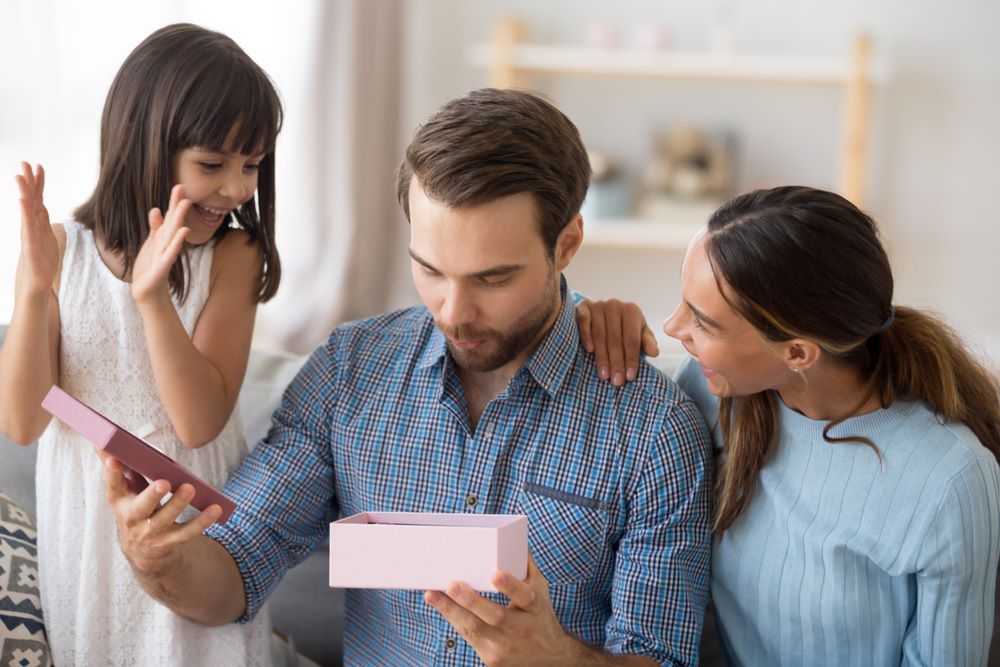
639,234
512,59
692,65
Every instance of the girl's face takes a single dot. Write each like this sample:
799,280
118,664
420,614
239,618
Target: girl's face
734,357
216,183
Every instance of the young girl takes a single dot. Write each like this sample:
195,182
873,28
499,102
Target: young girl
147,317
858,505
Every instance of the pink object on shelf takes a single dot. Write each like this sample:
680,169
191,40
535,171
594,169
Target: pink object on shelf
416,550
135,453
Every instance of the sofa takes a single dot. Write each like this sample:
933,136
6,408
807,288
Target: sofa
303,607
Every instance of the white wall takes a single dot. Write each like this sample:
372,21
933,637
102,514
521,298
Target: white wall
934,139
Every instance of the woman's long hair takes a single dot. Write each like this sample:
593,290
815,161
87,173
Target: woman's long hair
797,262
183,86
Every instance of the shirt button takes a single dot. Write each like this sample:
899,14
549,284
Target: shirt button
450,644
471,500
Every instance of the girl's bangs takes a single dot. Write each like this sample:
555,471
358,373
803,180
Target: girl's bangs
230,111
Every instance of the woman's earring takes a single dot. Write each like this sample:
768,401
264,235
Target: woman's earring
796,369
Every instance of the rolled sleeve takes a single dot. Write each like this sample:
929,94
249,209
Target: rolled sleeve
662,569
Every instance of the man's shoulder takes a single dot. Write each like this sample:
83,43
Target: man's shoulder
406,328
651,397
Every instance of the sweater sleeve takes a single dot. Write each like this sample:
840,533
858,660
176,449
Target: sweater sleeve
957,573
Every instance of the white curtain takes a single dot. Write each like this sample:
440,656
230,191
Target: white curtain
337,213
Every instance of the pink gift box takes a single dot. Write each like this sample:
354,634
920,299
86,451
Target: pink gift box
135,453
416,550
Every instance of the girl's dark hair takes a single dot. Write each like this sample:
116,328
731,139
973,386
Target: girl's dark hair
796,262
183,86
492,143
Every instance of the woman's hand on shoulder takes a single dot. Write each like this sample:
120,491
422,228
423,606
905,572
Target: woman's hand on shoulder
38,264
160,250
615,332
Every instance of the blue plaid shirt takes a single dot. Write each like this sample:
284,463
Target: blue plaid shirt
615,483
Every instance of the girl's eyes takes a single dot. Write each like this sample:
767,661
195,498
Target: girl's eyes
699,325
215,166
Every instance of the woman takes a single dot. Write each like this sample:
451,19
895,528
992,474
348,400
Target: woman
858,494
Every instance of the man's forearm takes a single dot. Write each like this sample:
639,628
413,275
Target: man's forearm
203,584
588,656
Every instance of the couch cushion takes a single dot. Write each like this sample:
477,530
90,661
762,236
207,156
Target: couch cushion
22,630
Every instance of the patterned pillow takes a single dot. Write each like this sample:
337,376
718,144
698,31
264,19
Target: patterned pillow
22,632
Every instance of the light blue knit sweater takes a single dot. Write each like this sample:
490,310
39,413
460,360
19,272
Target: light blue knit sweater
839,562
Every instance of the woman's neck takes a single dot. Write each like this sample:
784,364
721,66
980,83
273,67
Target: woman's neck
828,391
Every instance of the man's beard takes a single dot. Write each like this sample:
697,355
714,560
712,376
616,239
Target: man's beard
503,347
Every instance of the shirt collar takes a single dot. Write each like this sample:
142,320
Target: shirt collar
548,364
553,358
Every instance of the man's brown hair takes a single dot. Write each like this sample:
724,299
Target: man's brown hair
494,143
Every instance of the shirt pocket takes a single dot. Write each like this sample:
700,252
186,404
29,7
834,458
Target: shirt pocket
566,533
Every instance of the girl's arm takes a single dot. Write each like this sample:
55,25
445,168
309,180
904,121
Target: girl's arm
29,358
198,377
616,332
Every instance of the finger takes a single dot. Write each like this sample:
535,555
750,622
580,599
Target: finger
40,181
114,480
486,610
176,195
155,219
467,624
521,593
171,252
632,329
649,343
615,342
583,324
599,336
148,502
198,525
176,215
167,514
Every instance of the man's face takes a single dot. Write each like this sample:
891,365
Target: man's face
484,275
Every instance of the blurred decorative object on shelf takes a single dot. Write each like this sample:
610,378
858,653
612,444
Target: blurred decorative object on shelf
602,34
687,164
650,37
608,195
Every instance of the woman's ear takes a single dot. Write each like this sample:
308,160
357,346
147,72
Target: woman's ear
569,241
799,354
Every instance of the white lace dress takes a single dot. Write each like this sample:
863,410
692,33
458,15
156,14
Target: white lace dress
95,611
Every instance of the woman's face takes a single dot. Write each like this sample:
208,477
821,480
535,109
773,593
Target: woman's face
734,357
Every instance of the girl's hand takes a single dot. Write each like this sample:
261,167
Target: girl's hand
615,331
39,260
160,251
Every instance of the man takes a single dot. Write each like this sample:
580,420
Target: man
482,400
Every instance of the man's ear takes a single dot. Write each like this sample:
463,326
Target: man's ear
800,354
569,241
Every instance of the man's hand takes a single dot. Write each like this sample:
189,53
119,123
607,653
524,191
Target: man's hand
525,632
148,532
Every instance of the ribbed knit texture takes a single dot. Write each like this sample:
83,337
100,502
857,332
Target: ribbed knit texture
840,562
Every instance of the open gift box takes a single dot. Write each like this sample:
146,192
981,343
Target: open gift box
424,551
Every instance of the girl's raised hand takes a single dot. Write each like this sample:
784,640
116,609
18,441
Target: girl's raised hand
616,332
160,250
39,260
